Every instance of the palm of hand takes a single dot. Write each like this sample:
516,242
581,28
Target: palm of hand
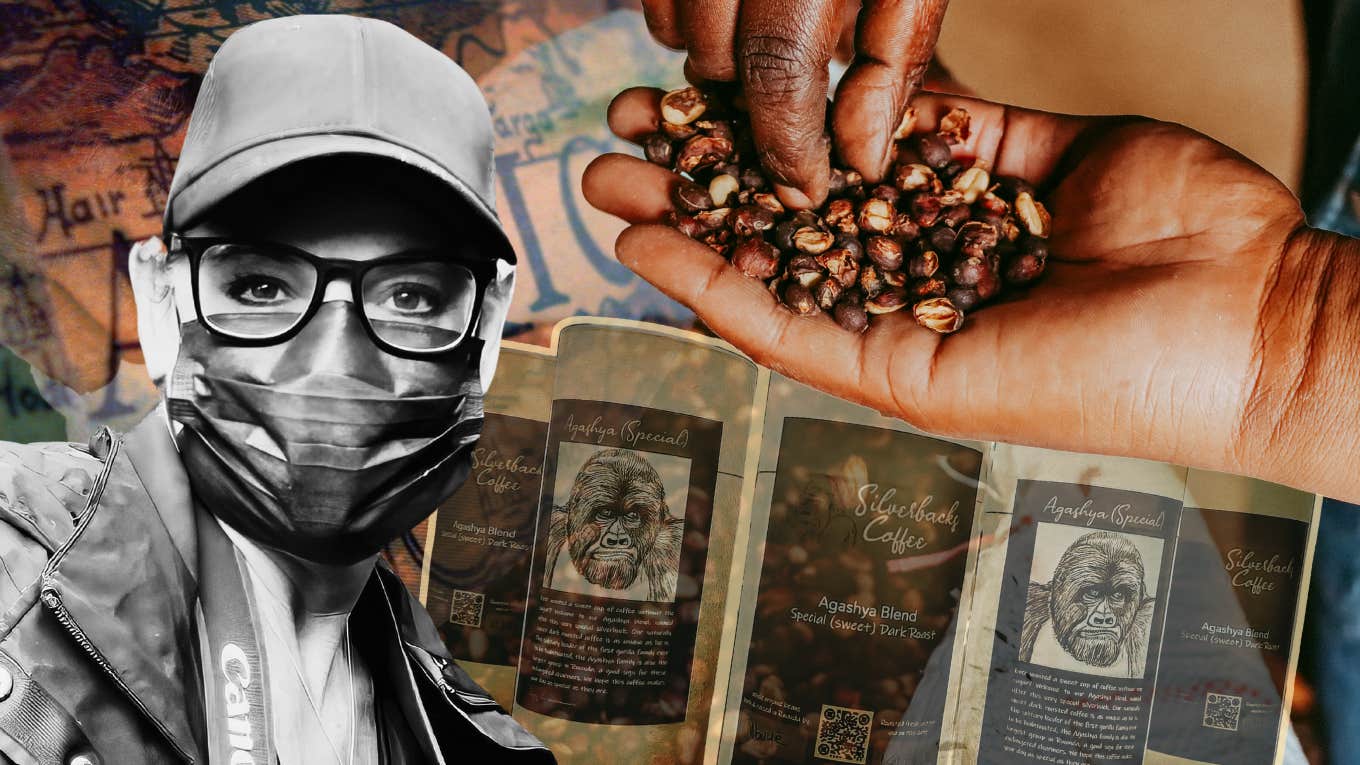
1141,338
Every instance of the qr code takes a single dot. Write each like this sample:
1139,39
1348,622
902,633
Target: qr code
1221,711
843,734
467,608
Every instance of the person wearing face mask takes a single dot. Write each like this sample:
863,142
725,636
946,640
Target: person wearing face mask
322,318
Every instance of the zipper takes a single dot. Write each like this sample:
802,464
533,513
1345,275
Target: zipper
468,697
471,699
87,513
451,690
52,599
473,702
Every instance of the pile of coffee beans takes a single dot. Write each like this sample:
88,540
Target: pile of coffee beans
939,236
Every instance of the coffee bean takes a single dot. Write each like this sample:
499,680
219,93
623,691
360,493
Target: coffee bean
923,264
1032,214
934,150
977,237
683,106
917,177
813,241
658,149
840,265
887,301
954,215
968,270
870,282
756,258
904,229
826,292
988,285
783,234
702,151
751,219
851,315
973,182
925,208
941,235
964,298
722,187
884,252
805,270
932,287
876,215
938,314
1010,187
852,245
691,197
751,178
956,126
940,239
799,299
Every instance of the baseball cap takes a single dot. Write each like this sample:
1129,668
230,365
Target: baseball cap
296,88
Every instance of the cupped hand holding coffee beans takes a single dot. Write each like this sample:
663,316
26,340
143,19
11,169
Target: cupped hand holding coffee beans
940,236
1185,313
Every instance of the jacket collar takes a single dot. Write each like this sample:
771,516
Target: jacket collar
127,582
123,584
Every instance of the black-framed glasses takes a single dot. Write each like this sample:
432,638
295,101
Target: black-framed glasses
413,303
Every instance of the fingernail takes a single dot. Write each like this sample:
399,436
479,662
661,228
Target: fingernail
792,197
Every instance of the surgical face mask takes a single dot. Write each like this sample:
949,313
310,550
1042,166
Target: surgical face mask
326,460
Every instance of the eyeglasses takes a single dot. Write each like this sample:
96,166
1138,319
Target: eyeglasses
415,303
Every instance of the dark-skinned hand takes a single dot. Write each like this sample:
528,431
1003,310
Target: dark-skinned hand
1179,318
778,50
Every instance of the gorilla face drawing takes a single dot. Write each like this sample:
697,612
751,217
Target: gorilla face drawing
1095,595
1096,602
616,525
613,517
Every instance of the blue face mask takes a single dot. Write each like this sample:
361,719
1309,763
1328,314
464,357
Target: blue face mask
324,466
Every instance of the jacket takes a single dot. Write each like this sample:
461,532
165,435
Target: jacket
98,645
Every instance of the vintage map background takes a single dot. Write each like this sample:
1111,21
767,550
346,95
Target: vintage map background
94,100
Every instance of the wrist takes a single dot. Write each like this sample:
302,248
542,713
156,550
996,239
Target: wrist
1300,423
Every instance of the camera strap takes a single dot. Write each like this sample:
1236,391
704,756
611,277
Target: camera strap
239,723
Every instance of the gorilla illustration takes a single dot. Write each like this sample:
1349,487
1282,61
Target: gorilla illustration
1097,604
616,526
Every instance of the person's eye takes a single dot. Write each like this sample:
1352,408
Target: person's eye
260,290
413,298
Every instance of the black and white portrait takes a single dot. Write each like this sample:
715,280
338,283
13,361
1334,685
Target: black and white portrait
322,316
618,515
1090,602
